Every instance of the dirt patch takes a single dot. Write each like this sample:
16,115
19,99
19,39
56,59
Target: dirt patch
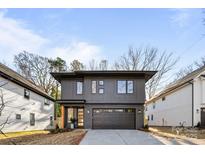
66,138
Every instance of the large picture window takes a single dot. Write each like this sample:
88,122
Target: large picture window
79,87
125,86
94,87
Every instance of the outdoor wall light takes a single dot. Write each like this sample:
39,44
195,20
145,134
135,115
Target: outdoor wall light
139,111
197,110
88,111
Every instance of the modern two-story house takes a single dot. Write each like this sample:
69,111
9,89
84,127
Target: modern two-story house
103,99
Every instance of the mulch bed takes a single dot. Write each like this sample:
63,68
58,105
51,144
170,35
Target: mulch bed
65,138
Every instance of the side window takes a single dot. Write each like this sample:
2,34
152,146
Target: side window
79,87
51,120
101,83
121,86
152,117
46,102
26,93
32,119
154,105
18,116
94,87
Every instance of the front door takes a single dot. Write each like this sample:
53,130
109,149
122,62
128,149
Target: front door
203,117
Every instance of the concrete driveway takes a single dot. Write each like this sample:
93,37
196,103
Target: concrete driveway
119,137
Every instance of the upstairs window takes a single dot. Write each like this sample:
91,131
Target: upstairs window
94,87
153,106
125,86
101,83
79,87
129,87
121,87
26,93
152,117
101,91
46,102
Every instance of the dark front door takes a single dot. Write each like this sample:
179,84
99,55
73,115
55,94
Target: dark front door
110,118
203,117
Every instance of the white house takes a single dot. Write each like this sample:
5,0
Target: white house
25,106
182,103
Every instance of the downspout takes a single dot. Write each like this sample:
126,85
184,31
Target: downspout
192,83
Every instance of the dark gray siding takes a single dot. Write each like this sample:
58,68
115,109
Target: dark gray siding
69,89
110,91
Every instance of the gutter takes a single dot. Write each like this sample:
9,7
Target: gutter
192,83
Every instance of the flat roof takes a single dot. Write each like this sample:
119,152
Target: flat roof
105,73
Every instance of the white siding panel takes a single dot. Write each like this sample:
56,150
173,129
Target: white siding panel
176,108
20,105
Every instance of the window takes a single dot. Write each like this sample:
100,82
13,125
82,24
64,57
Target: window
32,119
18,116
101,83
152,117
94,87
51,120
153,106
121,87
125,86
148,118
79,87
26,93
129,87
46,102
101,91
163,98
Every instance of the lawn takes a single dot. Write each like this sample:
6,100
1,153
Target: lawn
65,138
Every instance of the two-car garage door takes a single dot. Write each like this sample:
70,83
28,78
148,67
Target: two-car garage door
112,118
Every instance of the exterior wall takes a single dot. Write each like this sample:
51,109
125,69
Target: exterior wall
20,105
110,91
89,108
199,98
176,108
69,89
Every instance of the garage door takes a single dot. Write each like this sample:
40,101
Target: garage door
114,118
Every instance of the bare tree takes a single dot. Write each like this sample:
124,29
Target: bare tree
3,103
94,65
190,68
148,58
36,69
76,65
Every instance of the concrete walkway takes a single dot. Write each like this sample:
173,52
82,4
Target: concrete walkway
119,137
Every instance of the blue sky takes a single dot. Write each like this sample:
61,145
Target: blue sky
85,34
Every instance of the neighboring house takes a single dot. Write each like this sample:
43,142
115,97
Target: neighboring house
27,107
103,99
182,103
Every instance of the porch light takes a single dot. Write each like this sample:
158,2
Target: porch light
197,110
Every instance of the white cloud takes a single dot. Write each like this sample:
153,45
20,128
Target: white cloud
16,37
181,17
82,51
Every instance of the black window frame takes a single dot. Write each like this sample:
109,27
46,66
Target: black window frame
18,116
126,86
152,117
77,87
95,87
25,93
32,119
101,89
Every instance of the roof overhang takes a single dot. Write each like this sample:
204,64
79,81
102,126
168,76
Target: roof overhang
80,74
